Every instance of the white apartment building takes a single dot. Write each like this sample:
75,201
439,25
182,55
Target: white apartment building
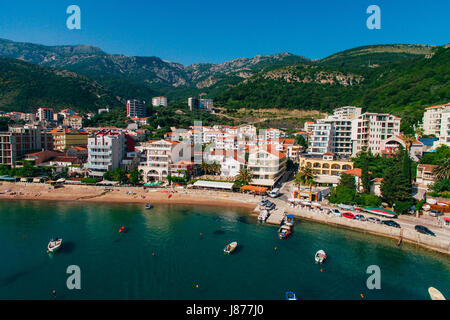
266,165
231,161
105,151
321,139
159,101
436,121
333,134
160,155
369,130
45,114
348,112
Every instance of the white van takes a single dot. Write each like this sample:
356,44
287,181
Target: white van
274,193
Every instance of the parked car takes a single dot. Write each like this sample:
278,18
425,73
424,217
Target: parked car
348,215
373,220
424,230
274,193
270,205
336,212
263,202
360,217
391,223
436,213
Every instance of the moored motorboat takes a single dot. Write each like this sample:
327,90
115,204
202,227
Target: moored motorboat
291,296
54,245
284,232
230,247
148,206
263,215
289,220
320,256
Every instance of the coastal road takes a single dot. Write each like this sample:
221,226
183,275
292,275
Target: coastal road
405,221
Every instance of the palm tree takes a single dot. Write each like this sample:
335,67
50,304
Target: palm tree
409,140
215,168
419,133
244,176
442,171
204,166
305,176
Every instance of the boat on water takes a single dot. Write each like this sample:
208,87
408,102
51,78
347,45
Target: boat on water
291,296
289,220
230,247
320,256
263,215
435,294
148,206
54,245
284,232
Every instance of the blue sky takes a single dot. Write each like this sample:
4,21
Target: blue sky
217,31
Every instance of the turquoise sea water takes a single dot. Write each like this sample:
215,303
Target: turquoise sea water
188,244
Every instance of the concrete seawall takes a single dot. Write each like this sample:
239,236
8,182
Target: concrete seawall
410,236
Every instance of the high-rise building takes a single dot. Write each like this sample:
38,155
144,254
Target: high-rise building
369,131
136,109
45,114
20,140
159,101
436,121
203,104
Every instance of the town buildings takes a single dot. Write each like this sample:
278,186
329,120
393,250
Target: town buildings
75,122
64,139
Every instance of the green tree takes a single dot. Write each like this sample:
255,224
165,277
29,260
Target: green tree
442,171
135,177
348,181
244,177
306,177
117,174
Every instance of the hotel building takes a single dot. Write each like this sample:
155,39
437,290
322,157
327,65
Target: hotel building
105,151
266,165
160,155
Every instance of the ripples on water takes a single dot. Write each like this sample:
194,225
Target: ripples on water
168,250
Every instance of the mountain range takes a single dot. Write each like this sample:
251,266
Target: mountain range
279,80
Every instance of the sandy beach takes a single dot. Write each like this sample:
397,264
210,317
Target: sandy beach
28,191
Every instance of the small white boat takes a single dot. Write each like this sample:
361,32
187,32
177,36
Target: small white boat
148,206
435,294
230,248
54,245
320,256
263,215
